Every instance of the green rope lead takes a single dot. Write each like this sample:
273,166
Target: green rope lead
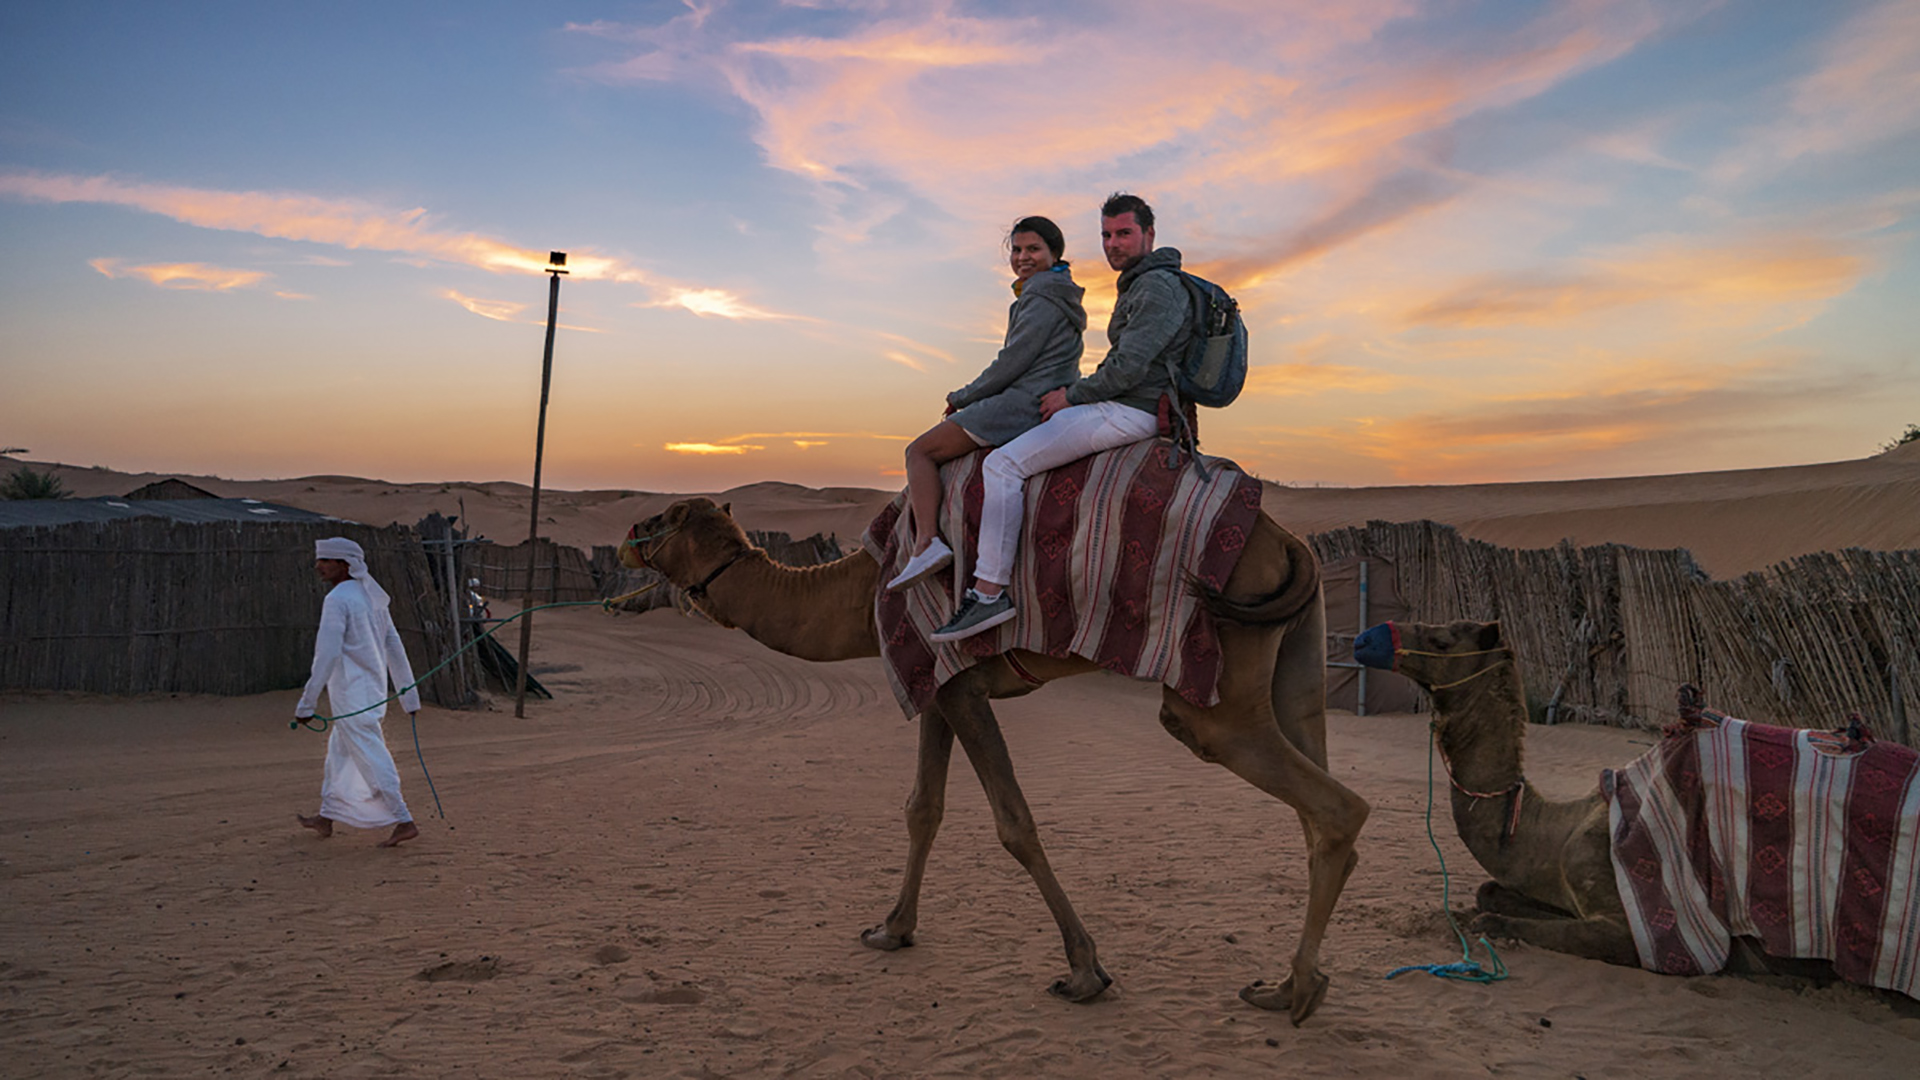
309,721
1467,969
324,721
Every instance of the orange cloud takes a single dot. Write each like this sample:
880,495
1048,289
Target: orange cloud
194,276
1302,378
705,449
354,225
1759,273
1641,406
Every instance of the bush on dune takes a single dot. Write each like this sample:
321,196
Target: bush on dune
27,484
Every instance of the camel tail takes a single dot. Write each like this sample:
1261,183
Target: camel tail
1284,606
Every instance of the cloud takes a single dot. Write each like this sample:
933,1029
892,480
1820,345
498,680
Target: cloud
1577,431
751,441
1740,277
1260,113
1865,89
355,225
503,310
193,276
709,449
716,302
1299,379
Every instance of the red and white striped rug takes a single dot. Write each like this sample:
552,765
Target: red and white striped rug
1801,839
1107,544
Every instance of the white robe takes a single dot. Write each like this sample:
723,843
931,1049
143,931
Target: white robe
358,650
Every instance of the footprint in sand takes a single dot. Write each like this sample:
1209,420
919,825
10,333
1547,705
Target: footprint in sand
462,970
678,995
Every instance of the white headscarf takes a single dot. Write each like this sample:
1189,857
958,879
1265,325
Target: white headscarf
339,547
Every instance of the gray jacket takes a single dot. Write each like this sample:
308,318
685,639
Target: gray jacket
1150,323
1041,353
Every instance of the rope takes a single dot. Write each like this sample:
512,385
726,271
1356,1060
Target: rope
309,722
1466,969
323,722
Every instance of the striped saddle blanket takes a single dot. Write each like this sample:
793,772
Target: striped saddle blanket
1807,841
1107,545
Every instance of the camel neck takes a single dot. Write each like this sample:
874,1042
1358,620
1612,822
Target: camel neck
813,612
1481,726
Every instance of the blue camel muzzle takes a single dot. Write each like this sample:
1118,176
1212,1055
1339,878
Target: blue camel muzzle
1375,647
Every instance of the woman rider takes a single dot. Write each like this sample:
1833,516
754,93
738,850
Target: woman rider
1041,353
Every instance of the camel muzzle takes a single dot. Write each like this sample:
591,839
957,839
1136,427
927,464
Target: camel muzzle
1377,646
631,556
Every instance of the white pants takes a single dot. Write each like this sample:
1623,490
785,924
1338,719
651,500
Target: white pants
1071,434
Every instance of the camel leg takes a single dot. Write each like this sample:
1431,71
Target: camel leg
925,807
972,720
1300,685
1248,742
1594,938
1494,898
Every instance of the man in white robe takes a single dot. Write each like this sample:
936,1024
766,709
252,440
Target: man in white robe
357,653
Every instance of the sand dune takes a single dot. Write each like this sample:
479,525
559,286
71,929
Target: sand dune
662,872
1733,522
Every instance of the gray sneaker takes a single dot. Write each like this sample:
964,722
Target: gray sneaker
975,615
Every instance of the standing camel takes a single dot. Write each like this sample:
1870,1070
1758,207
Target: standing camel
1269,727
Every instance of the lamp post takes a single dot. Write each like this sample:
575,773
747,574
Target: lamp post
556,266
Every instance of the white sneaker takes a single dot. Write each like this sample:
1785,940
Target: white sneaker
937,555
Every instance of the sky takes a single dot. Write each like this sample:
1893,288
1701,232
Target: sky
1473,242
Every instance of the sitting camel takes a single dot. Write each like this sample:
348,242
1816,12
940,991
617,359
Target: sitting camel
1552,872
1269,726
1691,834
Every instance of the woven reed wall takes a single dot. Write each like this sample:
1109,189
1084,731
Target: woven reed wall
150,605
1606,634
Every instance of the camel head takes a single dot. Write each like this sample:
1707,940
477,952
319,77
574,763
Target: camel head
1434,655
691,543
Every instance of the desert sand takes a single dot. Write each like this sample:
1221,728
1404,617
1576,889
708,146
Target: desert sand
662,872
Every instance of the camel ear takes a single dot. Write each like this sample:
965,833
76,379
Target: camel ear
726,508
1490,635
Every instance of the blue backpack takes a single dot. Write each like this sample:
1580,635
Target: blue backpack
1215,366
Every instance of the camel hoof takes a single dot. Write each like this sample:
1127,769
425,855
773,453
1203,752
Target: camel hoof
1280,998
1490,924
878,938
1082,987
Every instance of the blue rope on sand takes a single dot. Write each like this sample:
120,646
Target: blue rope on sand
1466,969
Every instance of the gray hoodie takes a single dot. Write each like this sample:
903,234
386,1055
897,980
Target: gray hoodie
1041,353
1150,322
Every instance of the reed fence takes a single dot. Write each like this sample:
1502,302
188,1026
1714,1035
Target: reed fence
1606,634
147,605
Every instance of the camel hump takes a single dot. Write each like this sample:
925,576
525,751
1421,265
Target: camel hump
1286,559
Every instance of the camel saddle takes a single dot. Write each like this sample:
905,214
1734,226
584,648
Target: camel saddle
1808,841
1107,548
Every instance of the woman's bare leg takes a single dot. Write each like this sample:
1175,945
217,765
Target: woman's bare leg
940,444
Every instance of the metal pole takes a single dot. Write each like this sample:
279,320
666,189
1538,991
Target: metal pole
1360,702
449,564
559,259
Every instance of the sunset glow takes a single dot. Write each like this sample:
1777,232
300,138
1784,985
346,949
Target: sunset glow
1473,241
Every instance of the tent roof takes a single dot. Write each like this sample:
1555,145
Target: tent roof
25,513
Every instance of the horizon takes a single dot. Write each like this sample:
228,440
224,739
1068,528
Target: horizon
1475,243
